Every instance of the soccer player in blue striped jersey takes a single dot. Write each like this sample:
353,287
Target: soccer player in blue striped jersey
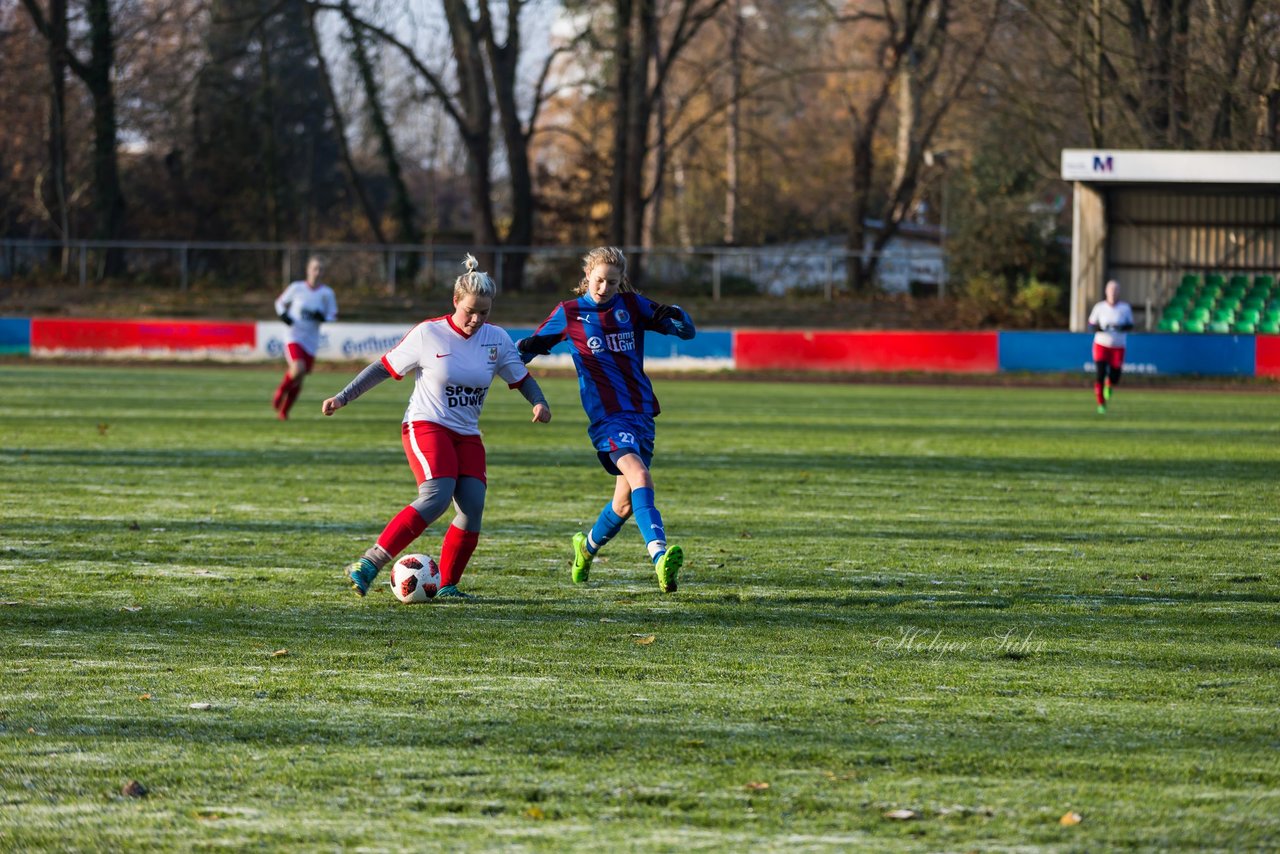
606,326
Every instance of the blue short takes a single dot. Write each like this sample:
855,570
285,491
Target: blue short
622,434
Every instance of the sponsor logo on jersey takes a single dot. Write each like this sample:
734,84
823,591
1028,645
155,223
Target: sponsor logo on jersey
614,342
464,395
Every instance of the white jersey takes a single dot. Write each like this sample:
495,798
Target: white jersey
1106,317
454,371
300,297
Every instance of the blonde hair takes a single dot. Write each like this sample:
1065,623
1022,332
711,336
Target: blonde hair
474,282
611,255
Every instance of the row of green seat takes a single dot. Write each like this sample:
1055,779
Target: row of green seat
1214,303
1242,327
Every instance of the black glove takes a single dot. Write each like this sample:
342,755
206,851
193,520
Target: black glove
286,319
533,346
312,314
666,312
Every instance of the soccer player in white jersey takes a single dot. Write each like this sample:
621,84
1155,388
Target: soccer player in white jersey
1110,319
453,360
303,306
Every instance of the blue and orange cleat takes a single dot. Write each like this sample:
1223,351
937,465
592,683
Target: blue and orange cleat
361,574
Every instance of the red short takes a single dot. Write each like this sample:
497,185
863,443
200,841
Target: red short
1113,356
295,353
435,451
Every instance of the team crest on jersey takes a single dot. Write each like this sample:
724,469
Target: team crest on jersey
493,354
622,315
595,343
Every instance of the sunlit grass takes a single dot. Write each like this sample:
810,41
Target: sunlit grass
988,607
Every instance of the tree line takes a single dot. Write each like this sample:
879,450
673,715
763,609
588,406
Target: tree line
633,122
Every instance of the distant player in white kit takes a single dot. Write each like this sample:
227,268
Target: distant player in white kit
1110,320
454,360
303,307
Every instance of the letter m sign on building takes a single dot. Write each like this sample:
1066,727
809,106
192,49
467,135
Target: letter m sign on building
1102,163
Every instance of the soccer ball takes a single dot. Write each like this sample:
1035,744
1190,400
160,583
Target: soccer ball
415,578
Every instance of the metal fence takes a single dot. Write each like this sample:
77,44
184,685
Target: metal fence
818,268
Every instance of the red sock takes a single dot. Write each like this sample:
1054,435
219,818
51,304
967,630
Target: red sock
1097,392
281,391
455,552
401,531
286,403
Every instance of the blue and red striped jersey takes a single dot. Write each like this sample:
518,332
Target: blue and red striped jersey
608,348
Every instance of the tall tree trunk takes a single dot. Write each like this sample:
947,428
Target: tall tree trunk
477,134
54,196
503,60
733,126
638,115
109,201
340,130
623,71
402,208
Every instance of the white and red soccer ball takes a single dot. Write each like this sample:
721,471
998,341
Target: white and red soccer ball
415,578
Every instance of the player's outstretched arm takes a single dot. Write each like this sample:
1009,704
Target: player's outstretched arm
533,393
375,373
536,345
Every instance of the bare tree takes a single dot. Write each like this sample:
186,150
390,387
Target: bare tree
918,52
96,74
483,76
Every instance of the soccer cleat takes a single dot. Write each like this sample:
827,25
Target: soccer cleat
361,574
1106,392
668,567
1102,410
581,559
451,591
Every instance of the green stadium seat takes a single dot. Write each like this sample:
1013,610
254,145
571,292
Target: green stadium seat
1199,314
1193,326
1224,315
1215,280
1169,324
1249,315
1269,327
1239,281
1174,312
1254,303
1189,280
1219,326
1244,328
1264,281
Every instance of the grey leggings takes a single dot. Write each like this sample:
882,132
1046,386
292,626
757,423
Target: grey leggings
466,493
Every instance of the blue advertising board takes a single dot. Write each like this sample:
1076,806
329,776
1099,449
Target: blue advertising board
15,335
1145,353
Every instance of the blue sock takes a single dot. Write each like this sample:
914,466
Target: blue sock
649,520
607,526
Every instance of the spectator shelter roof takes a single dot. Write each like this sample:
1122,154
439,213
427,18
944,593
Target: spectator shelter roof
1145,218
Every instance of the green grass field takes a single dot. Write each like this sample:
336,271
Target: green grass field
989,607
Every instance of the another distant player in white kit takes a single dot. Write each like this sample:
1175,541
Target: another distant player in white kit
453,360
303,307
1110,319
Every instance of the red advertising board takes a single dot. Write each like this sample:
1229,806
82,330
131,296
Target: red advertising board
58,334
933,352
1267,356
